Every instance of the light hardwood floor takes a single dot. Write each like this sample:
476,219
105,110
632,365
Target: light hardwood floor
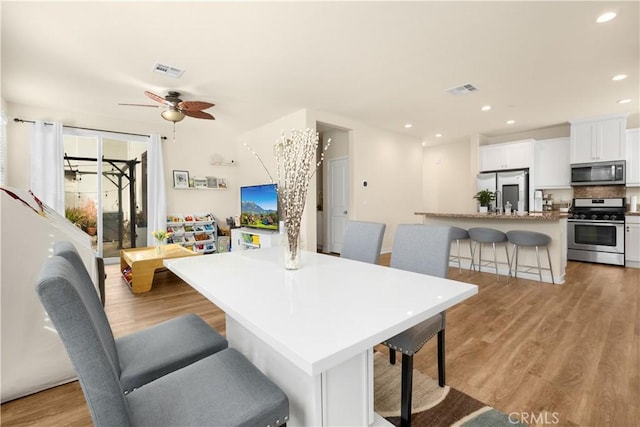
547,353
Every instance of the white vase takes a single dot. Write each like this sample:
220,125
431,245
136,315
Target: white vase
484,209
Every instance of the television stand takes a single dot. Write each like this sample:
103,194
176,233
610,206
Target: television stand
253,238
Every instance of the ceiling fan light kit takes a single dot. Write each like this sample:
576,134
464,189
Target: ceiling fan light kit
172,115
176,109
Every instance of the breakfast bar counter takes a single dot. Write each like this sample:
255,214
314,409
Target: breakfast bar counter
553,224
542,216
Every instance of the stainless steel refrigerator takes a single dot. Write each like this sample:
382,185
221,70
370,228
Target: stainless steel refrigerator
513,186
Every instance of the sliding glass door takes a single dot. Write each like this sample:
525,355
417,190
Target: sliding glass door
103,190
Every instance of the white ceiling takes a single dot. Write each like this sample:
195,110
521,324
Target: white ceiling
383,63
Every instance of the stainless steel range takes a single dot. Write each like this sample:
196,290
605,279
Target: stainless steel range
596,231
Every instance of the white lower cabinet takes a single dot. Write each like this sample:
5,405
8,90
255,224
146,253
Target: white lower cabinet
632,241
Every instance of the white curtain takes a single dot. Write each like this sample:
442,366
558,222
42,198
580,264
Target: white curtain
156,193
47,164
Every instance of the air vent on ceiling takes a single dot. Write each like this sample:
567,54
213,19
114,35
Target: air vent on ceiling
463,90
168,70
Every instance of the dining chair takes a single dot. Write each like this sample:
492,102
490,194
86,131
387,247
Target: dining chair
221,389
422,249
363,241
148,354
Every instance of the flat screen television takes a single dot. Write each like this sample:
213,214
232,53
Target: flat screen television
259,206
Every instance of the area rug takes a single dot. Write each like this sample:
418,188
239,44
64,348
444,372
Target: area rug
431,404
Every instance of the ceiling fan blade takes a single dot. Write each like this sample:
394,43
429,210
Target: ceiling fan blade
141,105
198,114
157,98
194,105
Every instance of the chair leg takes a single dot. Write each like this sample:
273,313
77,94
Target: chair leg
392,356
441,369
407,385
495,261
472,248
459,259
550,269
513,269
539,267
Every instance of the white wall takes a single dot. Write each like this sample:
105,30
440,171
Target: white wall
449,173
252,172
391,163
339,146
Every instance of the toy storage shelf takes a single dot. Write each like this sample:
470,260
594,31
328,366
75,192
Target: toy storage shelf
197,232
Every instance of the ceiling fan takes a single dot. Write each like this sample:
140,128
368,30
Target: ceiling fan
175,109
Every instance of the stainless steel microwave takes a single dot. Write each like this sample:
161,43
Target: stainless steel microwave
601,173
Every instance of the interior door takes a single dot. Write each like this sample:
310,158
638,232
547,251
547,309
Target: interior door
338,201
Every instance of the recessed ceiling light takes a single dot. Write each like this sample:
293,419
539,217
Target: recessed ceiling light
510,122
606,17
438,135
619,77
408,125
624,101
486,108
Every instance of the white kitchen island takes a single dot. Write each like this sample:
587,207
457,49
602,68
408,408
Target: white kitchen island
312,330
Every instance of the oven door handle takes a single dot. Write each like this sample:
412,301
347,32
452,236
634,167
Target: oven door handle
598,223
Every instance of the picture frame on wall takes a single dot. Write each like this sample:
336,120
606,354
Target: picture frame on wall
200,182
180,179
222,183
212,182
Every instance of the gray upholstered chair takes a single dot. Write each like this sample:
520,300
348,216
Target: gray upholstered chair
421,249
67,250
529,239
363,241
221,389
153,352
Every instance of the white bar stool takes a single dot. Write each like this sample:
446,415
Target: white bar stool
531,239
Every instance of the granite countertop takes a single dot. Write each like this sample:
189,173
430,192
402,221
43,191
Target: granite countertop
541,216
632,213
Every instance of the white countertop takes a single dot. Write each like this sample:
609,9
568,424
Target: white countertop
324,313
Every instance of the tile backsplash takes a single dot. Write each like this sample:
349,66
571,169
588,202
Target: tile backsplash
599,191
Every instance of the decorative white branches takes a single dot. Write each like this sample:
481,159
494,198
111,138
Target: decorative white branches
295,167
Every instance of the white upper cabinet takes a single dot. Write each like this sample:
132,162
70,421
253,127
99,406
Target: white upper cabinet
510,155
598,140
551,160
633,158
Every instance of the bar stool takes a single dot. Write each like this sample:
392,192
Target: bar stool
480,235
529,238
458,234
